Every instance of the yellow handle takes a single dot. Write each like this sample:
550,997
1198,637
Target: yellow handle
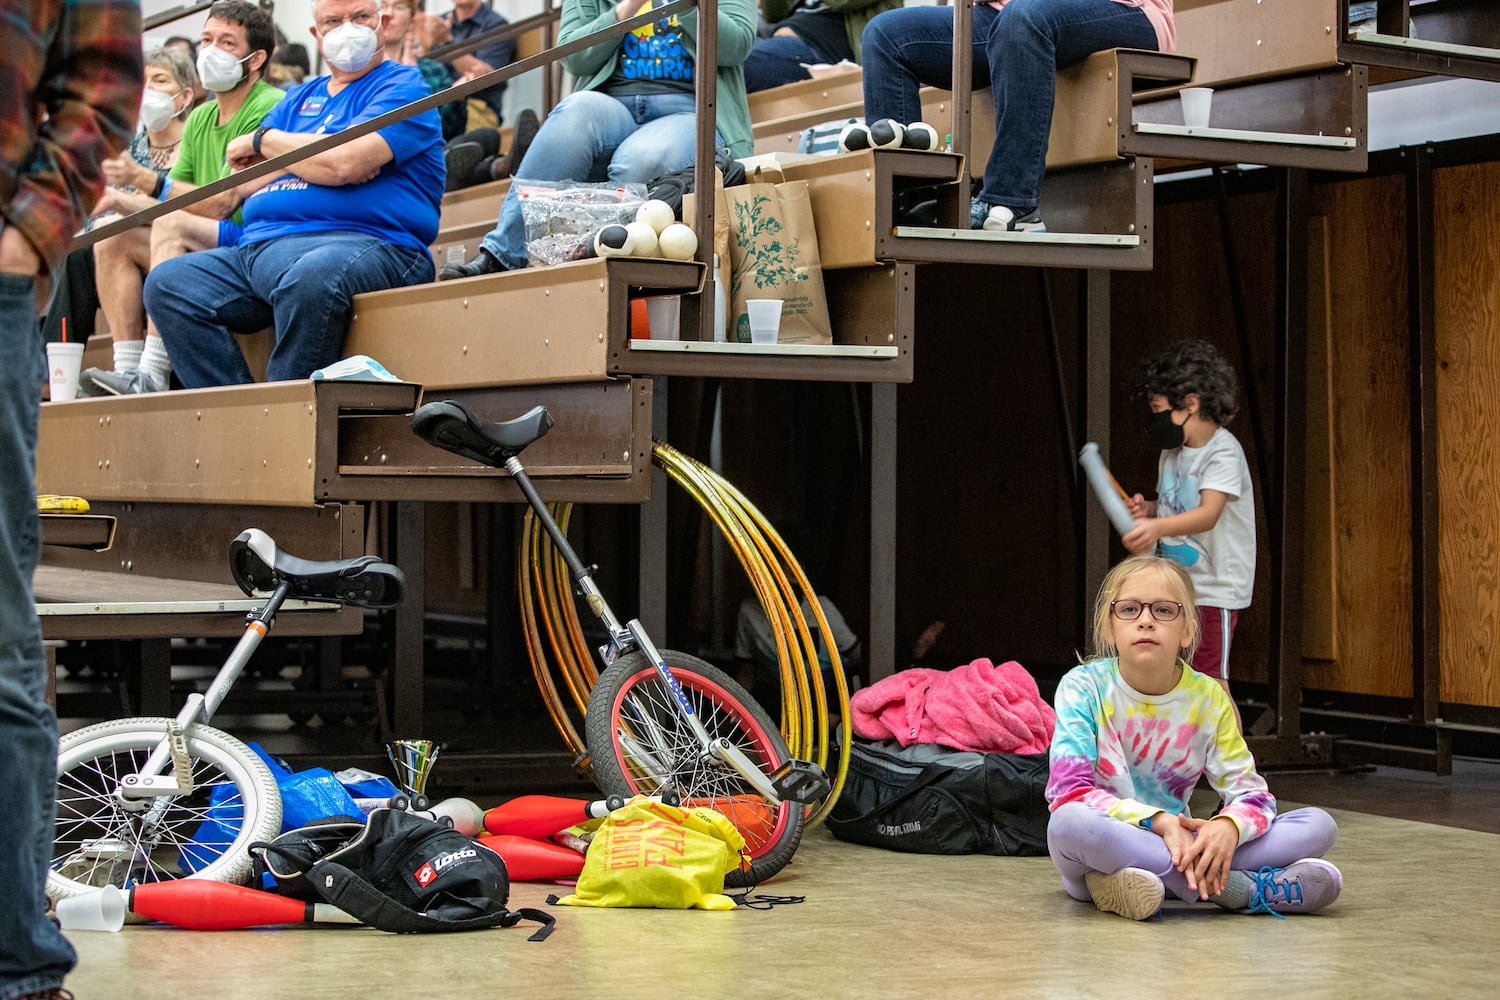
51,503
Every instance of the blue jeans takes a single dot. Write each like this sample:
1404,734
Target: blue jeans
1017,53
34,955
591,136
777,60
302,285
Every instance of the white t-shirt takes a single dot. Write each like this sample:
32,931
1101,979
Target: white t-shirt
1221,562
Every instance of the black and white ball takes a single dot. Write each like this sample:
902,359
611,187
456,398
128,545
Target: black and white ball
855,136
920,135
887,134
614,241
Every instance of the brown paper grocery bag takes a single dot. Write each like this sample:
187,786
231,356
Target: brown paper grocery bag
773,253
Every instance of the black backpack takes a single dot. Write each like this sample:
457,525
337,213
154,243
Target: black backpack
932,799
396,871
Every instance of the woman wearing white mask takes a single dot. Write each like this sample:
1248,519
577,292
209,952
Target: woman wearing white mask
170,80
165,104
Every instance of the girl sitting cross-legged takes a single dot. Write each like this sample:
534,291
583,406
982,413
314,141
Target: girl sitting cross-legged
1136,728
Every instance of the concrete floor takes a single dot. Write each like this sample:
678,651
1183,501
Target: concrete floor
1418,918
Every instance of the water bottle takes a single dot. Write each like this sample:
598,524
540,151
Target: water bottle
720,308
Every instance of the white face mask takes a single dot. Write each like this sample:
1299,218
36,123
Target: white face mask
157,109
220,70
350,47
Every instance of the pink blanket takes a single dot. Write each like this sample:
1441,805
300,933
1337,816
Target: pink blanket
978,706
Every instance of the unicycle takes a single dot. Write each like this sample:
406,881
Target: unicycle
152,800
658,721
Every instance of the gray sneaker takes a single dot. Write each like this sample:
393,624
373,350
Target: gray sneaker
98,382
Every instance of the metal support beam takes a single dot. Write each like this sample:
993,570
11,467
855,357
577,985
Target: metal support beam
1285,494
407,712
881,658
1421,309
1095,362
651,563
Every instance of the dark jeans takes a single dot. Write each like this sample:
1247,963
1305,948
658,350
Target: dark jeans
1017,53
777,60
34,955
75,297
304,285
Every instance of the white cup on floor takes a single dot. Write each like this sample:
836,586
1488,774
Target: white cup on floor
765,320
103,910
1197,102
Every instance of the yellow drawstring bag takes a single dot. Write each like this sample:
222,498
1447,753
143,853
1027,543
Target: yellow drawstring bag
648,853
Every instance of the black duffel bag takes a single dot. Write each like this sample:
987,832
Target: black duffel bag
932,799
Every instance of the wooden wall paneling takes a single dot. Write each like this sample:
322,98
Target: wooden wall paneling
1468,400
1320,540
1371,418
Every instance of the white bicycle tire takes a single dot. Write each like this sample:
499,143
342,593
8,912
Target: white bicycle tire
90,758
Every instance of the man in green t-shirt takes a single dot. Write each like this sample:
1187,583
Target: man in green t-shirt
234,50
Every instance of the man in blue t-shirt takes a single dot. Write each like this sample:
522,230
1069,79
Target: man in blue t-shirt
356,218
469,19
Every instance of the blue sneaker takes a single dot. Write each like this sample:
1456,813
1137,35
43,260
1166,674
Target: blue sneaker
1304,886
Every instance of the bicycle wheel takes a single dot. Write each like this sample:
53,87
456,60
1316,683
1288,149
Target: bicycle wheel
205,833
639,742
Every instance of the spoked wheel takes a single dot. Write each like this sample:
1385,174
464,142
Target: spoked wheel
101,839
640,743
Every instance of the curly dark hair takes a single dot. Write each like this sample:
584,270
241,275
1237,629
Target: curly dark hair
1192,367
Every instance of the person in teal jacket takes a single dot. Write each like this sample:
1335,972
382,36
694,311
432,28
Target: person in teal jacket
808,32
632,117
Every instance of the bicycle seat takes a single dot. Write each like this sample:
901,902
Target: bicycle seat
452,426
364,581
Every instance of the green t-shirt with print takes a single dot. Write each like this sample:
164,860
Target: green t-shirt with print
200,157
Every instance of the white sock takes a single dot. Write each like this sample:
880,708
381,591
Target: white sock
128,354
154,360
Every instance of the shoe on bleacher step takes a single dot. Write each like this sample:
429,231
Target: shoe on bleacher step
460,159
1000,219
102,382
485,263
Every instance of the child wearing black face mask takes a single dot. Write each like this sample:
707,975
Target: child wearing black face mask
1204,513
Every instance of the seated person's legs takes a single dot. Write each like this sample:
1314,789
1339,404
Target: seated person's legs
1025,45
902,49
311,282
661,146
576,141
197,302
120,264
178,233
778,60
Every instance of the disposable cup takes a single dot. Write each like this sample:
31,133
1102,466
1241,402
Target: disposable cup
664,312
103,910
63,362
1196,104
765,320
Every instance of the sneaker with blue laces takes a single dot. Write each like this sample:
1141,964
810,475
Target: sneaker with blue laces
1133,893
1304,886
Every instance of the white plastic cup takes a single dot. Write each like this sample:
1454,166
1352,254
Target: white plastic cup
765,320
103,910
63,363
664,313
1197,102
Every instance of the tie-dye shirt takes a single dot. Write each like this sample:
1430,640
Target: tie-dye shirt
1132,755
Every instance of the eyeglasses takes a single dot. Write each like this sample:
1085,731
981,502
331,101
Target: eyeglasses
1129,611
364,17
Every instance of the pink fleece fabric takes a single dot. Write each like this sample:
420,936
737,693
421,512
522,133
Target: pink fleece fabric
978,706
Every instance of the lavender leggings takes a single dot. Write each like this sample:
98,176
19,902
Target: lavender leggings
1082,839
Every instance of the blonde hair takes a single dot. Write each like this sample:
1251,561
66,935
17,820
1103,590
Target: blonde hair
1178,582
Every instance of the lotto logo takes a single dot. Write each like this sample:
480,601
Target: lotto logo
425,874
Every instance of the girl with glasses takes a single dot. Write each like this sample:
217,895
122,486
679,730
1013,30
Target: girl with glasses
1136,728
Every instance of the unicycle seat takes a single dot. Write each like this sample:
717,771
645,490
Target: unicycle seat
259,567
454,427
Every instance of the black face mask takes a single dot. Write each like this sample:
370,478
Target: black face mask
1164,432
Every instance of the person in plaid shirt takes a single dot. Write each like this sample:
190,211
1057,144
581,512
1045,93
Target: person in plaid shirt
71,75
